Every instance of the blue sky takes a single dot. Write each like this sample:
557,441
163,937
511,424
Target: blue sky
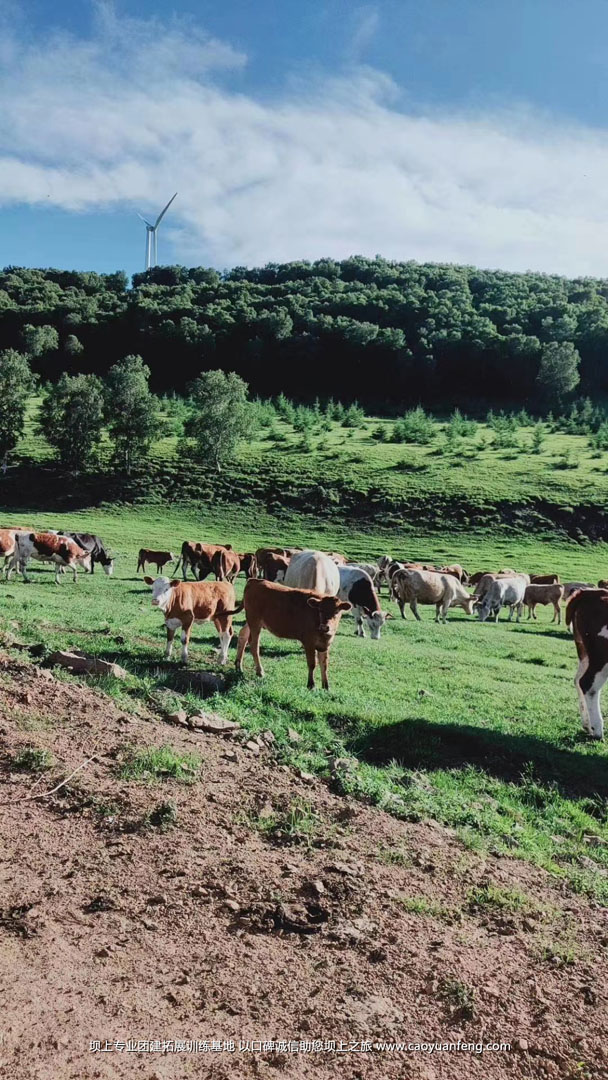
469,131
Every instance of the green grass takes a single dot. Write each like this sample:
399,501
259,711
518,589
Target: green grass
33,759
494,898
162,763
493,748
296,823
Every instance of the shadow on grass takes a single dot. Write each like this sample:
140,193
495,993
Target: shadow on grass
419,744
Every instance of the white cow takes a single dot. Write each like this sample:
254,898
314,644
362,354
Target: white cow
357,587
415,587
313,570
504,592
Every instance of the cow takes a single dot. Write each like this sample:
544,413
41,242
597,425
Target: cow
371,569
475,578
264,557
227,565
383,563
48,547
340,560
430,587
185,602
7,547
544,579
455,570
155,558
297,614
93,544
507,591
274,567
313,570
544,594
571,587
357,587
587,614
199,557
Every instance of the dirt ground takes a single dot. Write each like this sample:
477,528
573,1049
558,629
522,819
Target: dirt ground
303,951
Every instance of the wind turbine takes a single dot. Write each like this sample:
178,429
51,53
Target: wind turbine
151,241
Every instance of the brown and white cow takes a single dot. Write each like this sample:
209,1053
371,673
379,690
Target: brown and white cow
7,547
155,558
62,551
587,614
297,614
185,602
273,567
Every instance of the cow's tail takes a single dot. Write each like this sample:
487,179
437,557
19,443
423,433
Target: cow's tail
572,605
176,567
139,563
236,610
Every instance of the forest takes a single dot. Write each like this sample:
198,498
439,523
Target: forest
386,334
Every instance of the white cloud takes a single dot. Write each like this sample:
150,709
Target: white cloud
336,168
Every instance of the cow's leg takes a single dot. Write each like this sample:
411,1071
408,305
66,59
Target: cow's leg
187,624
311,660
414,608
23,568
557,613
324,665
592,694
172,625
359,627
520,609
443,608
224,629
75,573
254,645
582,667
244,636
401,604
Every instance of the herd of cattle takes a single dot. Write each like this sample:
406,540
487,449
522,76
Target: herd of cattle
302,594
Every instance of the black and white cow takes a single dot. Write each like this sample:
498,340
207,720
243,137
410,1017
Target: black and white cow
93,544
356,586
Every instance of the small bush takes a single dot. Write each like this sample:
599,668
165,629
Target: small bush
33,759
160,763
414,427
163,816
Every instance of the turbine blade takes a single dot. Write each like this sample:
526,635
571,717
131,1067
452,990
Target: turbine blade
143,219
163,212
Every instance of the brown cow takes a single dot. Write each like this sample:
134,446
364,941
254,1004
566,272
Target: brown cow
455,570
587,613
227,565
62,551
199,557
544,579
7,546
183,603
544,594
273,567
155,558
298,614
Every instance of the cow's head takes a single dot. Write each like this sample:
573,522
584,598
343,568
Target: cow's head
108,567
375,621
161,591
470,605
484,608
327,609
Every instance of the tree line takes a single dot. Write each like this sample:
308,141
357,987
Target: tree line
388,334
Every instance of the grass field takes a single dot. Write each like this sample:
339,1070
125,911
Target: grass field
470,724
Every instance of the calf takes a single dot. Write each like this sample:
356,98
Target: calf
504,592
544,579
544,594
48,547
7,547
587,614
183,603
298,614
356,586
430,587
155,558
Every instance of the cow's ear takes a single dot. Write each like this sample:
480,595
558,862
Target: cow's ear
314,601
174,581
388,615
344,605
149,580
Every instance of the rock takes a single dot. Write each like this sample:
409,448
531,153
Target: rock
342,868
157,901
180,718
293,736
216,725
230,755
522,1044
268,737
81,664
318,886
231,905
306,776
203,683
252,746
198,890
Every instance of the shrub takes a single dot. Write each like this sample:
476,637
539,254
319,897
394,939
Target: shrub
414,427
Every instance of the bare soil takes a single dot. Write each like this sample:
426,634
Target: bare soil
360,928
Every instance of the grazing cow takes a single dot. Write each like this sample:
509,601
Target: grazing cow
587,614
199,557
544,579
184,602
313,570
415,587
455,570
274,567
357,587
371,569
383,563
155,558
48,547
475,578
544,594
574,586
507,591
298,614
93,544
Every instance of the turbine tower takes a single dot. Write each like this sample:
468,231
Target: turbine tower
151,241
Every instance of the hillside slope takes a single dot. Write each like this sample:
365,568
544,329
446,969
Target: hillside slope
268,908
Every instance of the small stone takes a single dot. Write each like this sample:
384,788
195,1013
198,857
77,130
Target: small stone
306,776
230,755
157,901
522,1044
318,886
215,725
231,905
252,746
179,718
171,997
268,737
293,735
